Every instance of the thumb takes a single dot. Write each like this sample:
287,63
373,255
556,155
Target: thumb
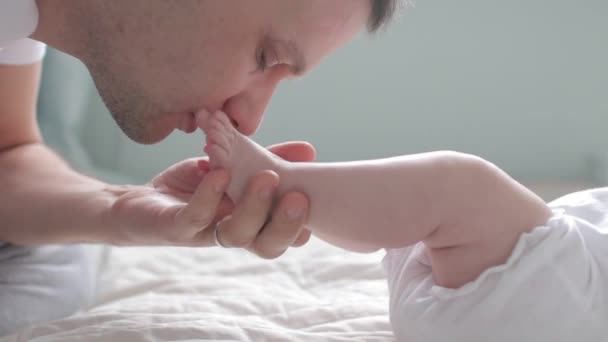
204,203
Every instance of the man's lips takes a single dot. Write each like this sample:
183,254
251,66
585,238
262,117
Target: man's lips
188,123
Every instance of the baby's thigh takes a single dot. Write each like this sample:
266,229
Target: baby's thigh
44,283
455,266
483,235
481,219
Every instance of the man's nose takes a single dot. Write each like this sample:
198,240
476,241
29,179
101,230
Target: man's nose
246,109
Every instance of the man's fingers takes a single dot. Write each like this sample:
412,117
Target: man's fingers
284,228
302,238
250,214
203,165
201,210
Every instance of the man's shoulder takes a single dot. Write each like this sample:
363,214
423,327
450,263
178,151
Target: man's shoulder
18,20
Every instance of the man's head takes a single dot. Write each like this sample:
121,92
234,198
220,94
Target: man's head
156,62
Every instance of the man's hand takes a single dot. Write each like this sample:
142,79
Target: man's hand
184,204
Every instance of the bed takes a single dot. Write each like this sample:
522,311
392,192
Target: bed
314,293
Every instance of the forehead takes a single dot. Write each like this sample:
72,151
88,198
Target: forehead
316,28
325,16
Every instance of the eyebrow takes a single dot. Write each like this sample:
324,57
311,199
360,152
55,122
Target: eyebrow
295,54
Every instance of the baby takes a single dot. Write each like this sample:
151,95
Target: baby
471,255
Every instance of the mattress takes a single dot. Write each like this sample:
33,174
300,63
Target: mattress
314,293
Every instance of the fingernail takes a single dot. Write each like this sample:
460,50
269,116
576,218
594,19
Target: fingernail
294,213
266,193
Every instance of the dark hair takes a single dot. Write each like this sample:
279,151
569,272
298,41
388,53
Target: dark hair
381,14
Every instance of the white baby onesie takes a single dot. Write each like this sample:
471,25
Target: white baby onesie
553,288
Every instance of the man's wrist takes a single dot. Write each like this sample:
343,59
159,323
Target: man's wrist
109,228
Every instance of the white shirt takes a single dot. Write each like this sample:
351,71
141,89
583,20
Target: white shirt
554,287
18,20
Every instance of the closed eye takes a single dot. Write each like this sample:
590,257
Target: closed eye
265,59
261,60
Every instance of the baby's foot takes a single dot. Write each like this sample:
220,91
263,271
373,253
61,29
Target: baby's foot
229,149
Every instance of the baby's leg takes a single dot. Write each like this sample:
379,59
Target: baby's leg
485,213
354,205
467,212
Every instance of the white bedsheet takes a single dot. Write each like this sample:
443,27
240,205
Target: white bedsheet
315,293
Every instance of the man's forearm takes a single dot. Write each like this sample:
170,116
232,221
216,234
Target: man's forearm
44,201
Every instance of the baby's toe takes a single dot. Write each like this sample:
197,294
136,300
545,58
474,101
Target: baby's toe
218,156
225,121
202,118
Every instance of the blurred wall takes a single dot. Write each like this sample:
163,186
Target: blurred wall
521,83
